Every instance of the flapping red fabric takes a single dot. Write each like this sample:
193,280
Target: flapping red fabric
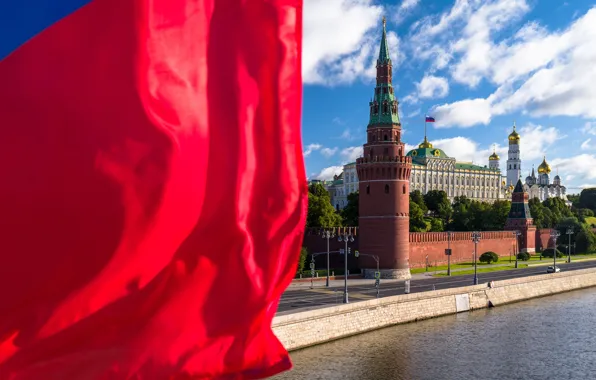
153,192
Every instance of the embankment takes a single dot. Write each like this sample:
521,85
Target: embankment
311,327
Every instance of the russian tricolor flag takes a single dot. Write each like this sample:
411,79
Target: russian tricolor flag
430,119
153,191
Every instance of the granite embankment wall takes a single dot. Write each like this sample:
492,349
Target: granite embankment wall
303,329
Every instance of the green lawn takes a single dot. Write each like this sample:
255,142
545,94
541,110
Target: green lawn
444,267
480,270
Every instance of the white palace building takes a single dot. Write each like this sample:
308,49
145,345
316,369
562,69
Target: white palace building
433,169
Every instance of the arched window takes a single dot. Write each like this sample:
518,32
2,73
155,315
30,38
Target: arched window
385,108
514,166
367,189
385,138
386,189
404,189
394,108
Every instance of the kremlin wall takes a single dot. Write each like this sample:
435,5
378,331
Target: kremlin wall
422,244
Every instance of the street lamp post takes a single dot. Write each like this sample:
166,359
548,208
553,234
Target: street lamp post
345,237
328,235
569,233
476,239
555,234
517,234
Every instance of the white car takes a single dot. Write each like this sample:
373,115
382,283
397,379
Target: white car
552,269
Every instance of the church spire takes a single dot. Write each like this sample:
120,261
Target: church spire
383,107
384,50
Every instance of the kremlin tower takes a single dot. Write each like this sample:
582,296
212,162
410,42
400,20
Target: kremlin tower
384,181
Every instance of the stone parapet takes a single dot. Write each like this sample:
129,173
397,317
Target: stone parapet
302,329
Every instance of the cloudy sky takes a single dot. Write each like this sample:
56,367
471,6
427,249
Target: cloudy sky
475,65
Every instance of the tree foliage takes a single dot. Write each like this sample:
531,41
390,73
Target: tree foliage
417,223
585,240
302,259
320,211
350,213
587,199
438,204
470,215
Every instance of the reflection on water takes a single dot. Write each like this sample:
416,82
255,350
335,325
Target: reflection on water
546,338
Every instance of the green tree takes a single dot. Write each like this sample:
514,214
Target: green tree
488,257
582,213
498,215
438,204
574,199
302,259
436,225
564,224
537,211
320,211
417,223
460,220
417,197
587,199
350,213
585,240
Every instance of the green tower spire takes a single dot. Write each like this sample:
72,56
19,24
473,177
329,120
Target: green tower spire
383,107
384,50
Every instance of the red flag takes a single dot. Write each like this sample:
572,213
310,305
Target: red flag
153,190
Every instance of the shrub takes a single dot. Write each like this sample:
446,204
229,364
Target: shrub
523,256
489,257
549,253
302,259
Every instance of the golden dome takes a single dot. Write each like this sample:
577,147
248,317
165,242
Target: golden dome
494,157
544,167
425,144
514,136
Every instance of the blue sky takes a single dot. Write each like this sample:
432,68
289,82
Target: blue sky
476,66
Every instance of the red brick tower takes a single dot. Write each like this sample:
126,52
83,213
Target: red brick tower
520,219
384,175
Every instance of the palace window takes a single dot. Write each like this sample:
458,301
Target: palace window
385,138
367,189
386,189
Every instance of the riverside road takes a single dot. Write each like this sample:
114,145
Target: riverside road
297,298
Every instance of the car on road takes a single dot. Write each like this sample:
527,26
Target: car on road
552,269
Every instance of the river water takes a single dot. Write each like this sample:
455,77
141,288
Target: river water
546,338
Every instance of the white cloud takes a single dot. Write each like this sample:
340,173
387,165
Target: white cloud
432,87
352,153
403,10
465,149
540,72
582,167
341,39
327,173
464,113
536,141
586,144
339,121
413,113
328,152
311,148
590,128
